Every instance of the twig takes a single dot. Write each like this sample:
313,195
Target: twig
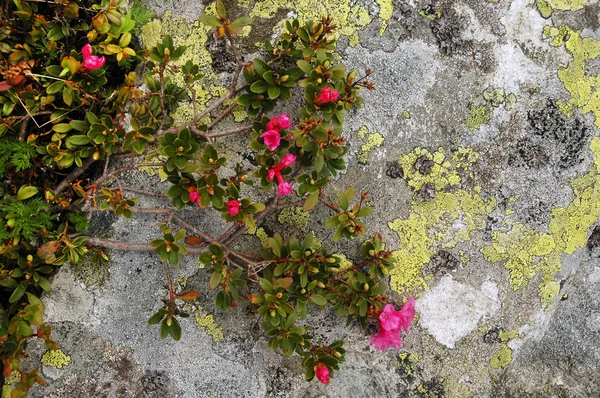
131,247
235,130
73,175
142,192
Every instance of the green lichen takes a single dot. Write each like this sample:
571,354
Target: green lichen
480,114
566,5
373,141
55,358
445,172
443,222
494,98
210,326
406,115
386,9
506,336
527,251
501,358
90,274
544,8
194,36
583,88
349,17
295,217
344,262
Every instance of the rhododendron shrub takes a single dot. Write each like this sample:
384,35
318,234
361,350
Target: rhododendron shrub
293,158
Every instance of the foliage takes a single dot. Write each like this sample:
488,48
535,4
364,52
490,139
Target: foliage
64,111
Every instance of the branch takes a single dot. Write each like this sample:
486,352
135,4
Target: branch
131,247
236,130
73,175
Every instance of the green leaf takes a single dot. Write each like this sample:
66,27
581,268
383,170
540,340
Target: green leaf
260,66
220,8
209,20
318,299
55,87
164,329
259,86
26,192
62,127
215,279
175,330
332,221
78,140
17,294
365,211
265,285
304,66
157,317
274,92
310,202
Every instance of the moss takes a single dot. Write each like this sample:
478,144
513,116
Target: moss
55,358
441,223
210,326
527,251
582,87
349,17
296,217
544,8
501,358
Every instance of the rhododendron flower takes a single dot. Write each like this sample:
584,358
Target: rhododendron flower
284,188
279,122
326,95
390,322
90,61
194,196
322,372
271,174
233,207
272,139
287,160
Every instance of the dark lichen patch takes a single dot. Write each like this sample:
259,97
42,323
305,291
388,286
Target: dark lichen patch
492,336
394,170
562,138
442,263
222,57
280,381
528,155
433,388
423,165
447,31
426,193
594,239
537,215
154,384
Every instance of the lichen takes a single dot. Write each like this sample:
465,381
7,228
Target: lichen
544,8
501,358
406,115
582,86
210,326
443,222
480,114
55,358
386,9
566,5
344,262
90,274
527,251
349,17
296,217
506,336
374,140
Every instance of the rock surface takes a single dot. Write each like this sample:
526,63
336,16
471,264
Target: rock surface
481,153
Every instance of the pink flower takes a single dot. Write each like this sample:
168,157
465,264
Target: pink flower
284,188
384,339
390,322
233,207
272,139
271,174
194,196
279,122
90,61
326,95
287,160
322,372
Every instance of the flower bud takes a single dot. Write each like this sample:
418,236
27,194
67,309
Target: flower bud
312,269
303,291
11,222
96,155
272,313
385,271
278,295
366,287
371,252
337,354
284,78
307,253
169,320
331,260
321,285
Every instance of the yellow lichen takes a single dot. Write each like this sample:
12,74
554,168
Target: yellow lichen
210,326
583,87
506,336
373,141
527,251
501,358
296,217
55,358
566,4
386,9
441,223
349,17
344,262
